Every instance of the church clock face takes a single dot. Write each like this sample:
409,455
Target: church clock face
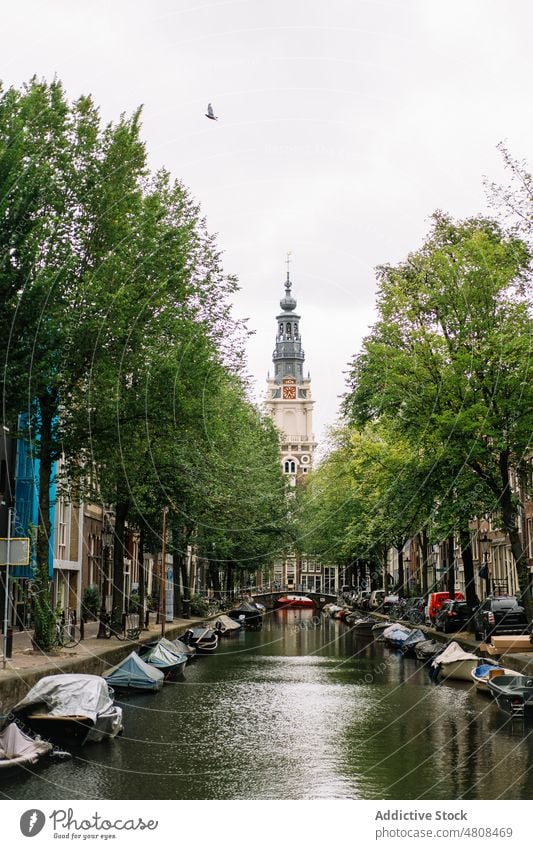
289,389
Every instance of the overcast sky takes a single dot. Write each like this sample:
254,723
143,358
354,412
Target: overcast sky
343,125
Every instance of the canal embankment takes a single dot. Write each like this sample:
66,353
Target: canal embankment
91,656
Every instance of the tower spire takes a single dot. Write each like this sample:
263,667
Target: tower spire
288,262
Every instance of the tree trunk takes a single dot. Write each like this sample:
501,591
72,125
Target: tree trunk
214,577
451,565
44,614
424,546
121,511
465,541
401,577
229,582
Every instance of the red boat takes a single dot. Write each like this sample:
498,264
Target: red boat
295,601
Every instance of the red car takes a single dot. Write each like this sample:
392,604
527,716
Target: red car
436,600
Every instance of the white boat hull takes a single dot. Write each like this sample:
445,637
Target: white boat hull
458,670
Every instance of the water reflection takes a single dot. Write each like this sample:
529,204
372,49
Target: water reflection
300,710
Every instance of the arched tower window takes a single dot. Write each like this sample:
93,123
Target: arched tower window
288,329
295,330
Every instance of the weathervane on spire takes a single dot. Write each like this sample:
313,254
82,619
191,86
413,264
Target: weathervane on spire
288,262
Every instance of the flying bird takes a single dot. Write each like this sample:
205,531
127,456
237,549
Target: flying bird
210,113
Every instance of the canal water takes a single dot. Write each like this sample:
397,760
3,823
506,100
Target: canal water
299,710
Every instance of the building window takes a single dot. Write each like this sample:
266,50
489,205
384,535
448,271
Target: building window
61,529
290,467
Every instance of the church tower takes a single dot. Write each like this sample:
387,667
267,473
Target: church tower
289,400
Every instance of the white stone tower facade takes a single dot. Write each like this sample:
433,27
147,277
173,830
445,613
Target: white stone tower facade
289,400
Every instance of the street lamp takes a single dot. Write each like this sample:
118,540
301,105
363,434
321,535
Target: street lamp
107,541
484,571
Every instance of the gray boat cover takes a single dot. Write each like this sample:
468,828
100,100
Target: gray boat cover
414,637
68,695
183,648
452,653
227,623
162,655
17,748
134,672
388,632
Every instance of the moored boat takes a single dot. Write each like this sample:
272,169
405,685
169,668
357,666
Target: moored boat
454,663
204,640
19,749
396,634
428,649
379,628
164,656
226,626
486,672
514,695
183,648
248,614
71,707
362,627
414,638
296,601
133,673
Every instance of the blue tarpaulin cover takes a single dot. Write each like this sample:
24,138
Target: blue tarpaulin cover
133,673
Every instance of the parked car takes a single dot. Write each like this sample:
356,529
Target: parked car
363,599
376,599
388,603
435,602
454,616
500,615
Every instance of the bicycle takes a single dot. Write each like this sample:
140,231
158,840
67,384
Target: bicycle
67,634
125,633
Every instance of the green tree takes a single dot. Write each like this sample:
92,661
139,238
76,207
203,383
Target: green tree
448,363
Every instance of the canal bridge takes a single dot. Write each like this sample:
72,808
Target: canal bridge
269,596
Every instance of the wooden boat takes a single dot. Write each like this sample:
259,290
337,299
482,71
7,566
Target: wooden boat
514,695
19,749
70,708
485,672
454,663
133,673
164,656
297,601
204,640
248,614
225,626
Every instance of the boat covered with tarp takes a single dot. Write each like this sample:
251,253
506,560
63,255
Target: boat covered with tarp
455,663
165,656
248,614
71,707
183,648
19,749
417,636
133,673
428,649
225,625
396,634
